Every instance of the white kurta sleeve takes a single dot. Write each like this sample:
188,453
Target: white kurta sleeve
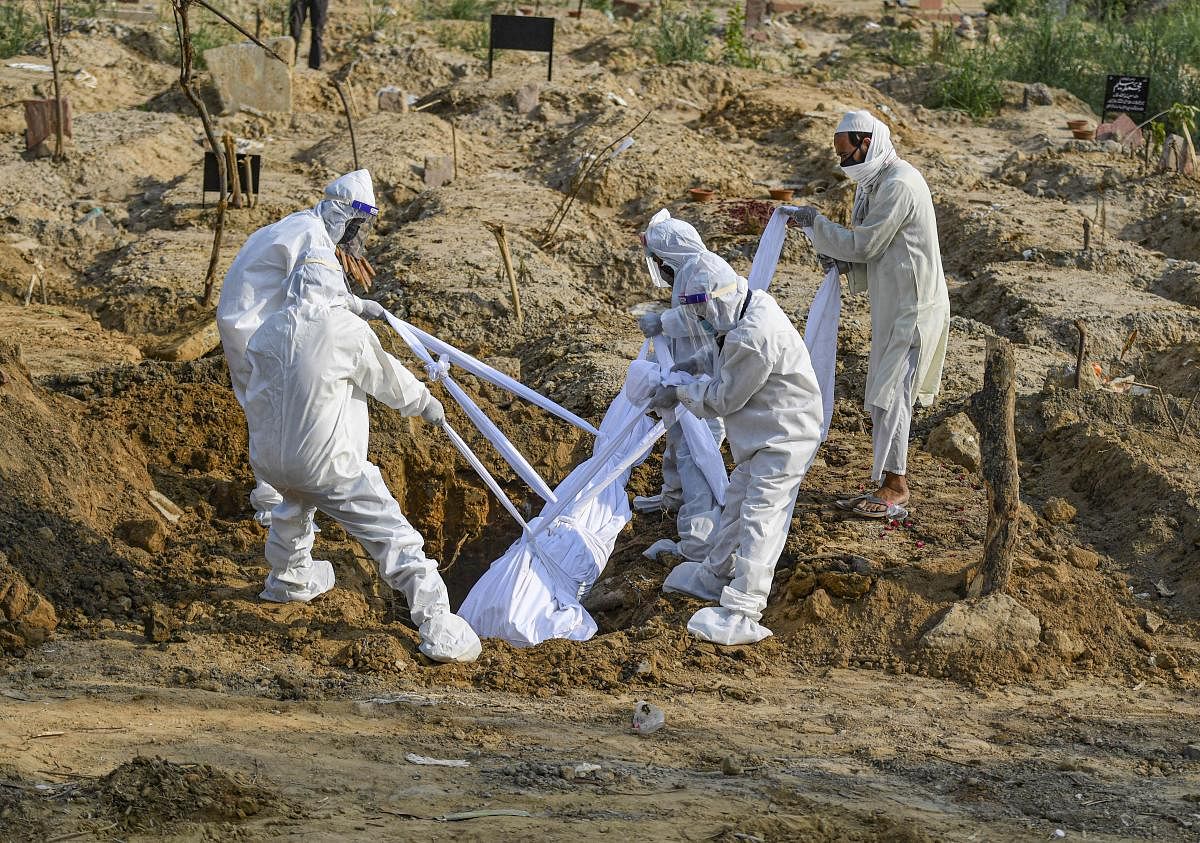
384,378
743,371
890,208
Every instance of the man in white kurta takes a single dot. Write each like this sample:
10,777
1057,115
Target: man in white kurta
890,252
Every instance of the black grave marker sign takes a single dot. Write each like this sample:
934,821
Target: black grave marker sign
212,179
519,32
1127,93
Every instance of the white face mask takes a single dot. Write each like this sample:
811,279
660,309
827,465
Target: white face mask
855,171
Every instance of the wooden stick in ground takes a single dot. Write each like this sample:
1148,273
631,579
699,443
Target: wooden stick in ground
45,300
995,408
1081,357
1182,424
502,241
29,293
248,182
454,147
52,44
235,178
337,86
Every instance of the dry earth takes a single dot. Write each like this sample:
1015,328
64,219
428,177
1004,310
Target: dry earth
145,692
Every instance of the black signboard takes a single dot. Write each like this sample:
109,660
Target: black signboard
1127,93
518,32
212,180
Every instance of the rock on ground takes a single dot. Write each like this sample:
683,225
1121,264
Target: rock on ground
26,617
995,622
956,440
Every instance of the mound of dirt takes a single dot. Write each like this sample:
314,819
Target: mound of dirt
153,794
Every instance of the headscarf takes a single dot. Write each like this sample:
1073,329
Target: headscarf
880,154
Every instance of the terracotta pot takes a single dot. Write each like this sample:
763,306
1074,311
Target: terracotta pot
574,13
701,194
1077,124
1084,134
781,194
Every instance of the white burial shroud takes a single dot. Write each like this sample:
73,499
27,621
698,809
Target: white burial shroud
532,593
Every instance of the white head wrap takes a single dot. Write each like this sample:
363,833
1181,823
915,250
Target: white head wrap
674,241
880,153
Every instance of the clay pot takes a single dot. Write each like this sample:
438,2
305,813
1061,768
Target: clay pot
1084,134
574,13
1076,124
781,194
701,194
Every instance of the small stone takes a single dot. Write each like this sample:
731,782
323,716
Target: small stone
731,766
1039,94
818,608
439,170
146,533
1192,752
158,624
956,441
1062,644
45,534
1058,511
527,97
1087,560
1166,661
995,622
566,771
845,586
1151,622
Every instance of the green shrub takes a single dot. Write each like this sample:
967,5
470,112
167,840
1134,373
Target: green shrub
681,35
19,29
470,37
968,82
457,9
737,51
905,47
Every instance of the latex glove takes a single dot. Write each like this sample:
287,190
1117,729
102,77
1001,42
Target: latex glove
664,398
697,364
651,324
802,214
433,412
368,309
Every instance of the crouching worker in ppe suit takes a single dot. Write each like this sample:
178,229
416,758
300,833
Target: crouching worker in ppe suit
670,245
764,387
311,367
255,286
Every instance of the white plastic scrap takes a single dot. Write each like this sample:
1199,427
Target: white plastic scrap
413,758
647,718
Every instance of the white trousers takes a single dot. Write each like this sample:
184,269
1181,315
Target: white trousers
755,522
890,426
367,511
687,491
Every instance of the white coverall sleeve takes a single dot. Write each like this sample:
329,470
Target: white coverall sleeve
674,323
384,378
890,208
743,370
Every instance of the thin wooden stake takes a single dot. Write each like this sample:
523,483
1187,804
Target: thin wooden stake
235,178
251,195
996,407
42,281
502,241
337,86
29,293
52,43
454,147
1081,357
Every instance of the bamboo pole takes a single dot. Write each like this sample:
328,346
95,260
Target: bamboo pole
501,235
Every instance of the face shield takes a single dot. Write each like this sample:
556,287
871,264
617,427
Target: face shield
358,229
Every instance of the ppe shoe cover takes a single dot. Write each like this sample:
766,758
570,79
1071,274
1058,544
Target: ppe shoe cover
660,546
302,585
263,518
719,625
695,580
448,638
649,503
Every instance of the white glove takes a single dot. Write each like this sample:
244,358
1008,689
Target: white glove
368,309
664,398
697,364
802,214
433,412
651,324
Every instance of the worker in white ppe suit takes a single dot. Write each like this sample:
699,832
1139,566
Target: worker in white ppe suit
255,286
891,252
670,245
764,386
311,366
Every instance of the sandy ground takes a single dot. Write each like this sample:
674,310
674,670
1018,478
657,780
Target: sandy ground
146,693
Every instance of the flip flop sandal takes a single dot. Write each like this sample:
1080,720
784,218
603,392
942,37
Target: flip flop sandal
850,504
892,512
